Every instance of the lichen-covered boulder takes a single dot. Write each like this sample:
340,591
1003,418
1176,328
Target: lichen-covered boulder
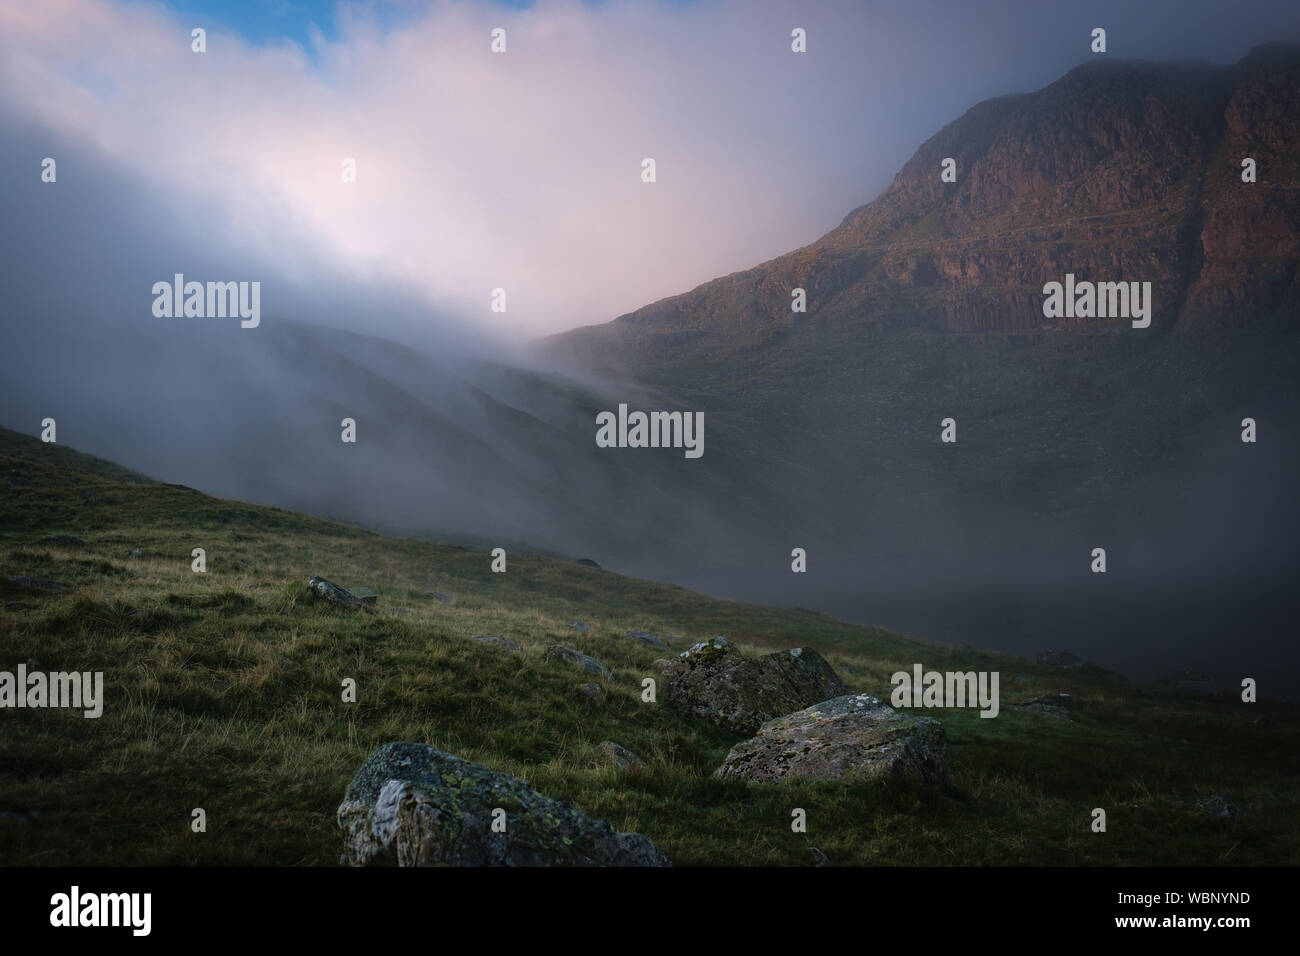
412,805
570,656
851,738
328,591
715,682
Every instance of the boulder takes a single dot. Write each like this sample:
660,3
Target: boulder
715,682
328,591
851,738
622,758
412,805
645,637
367,596
587,563
594,691
569,655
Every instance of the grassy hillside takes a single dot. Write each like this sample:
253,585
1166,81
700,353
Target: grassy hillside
223,692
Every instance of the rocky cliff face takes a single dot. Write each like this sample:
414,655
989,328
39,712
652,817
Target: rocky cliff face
1119,171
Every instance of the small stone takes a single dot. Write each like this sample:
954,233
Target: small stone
594,691
579,627
622,758
398,610
1217,807
645,637
569,655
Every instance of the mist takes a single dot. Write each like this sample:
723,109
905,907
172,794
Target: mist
476,174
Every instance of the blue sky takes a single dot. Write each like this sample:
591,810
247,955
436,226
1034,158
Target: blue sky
268,22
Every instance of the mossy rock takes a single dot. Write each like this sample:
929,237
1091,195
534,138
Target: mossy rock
715,682
413,805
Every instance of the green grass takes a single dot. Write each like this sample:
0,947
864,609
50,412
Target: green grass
223,691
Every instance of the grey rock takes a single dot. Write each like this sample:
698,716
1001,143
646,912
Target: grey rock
715,682
367,596
135,553
851,738
412,805
328,591
818,857
645,637
570,656
398,610
594,691
439,596
622,758
496,640
587,563
1219,808
579,627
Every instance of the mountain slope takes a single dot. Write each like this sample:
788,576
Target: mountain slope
222,691
926,305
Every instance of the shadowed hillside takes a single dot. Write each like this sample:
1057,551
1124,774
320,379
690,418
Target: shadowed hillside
222,691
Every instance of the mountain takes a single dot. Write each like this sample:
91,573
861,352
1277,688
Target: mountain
927,304
1119,171
822,429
